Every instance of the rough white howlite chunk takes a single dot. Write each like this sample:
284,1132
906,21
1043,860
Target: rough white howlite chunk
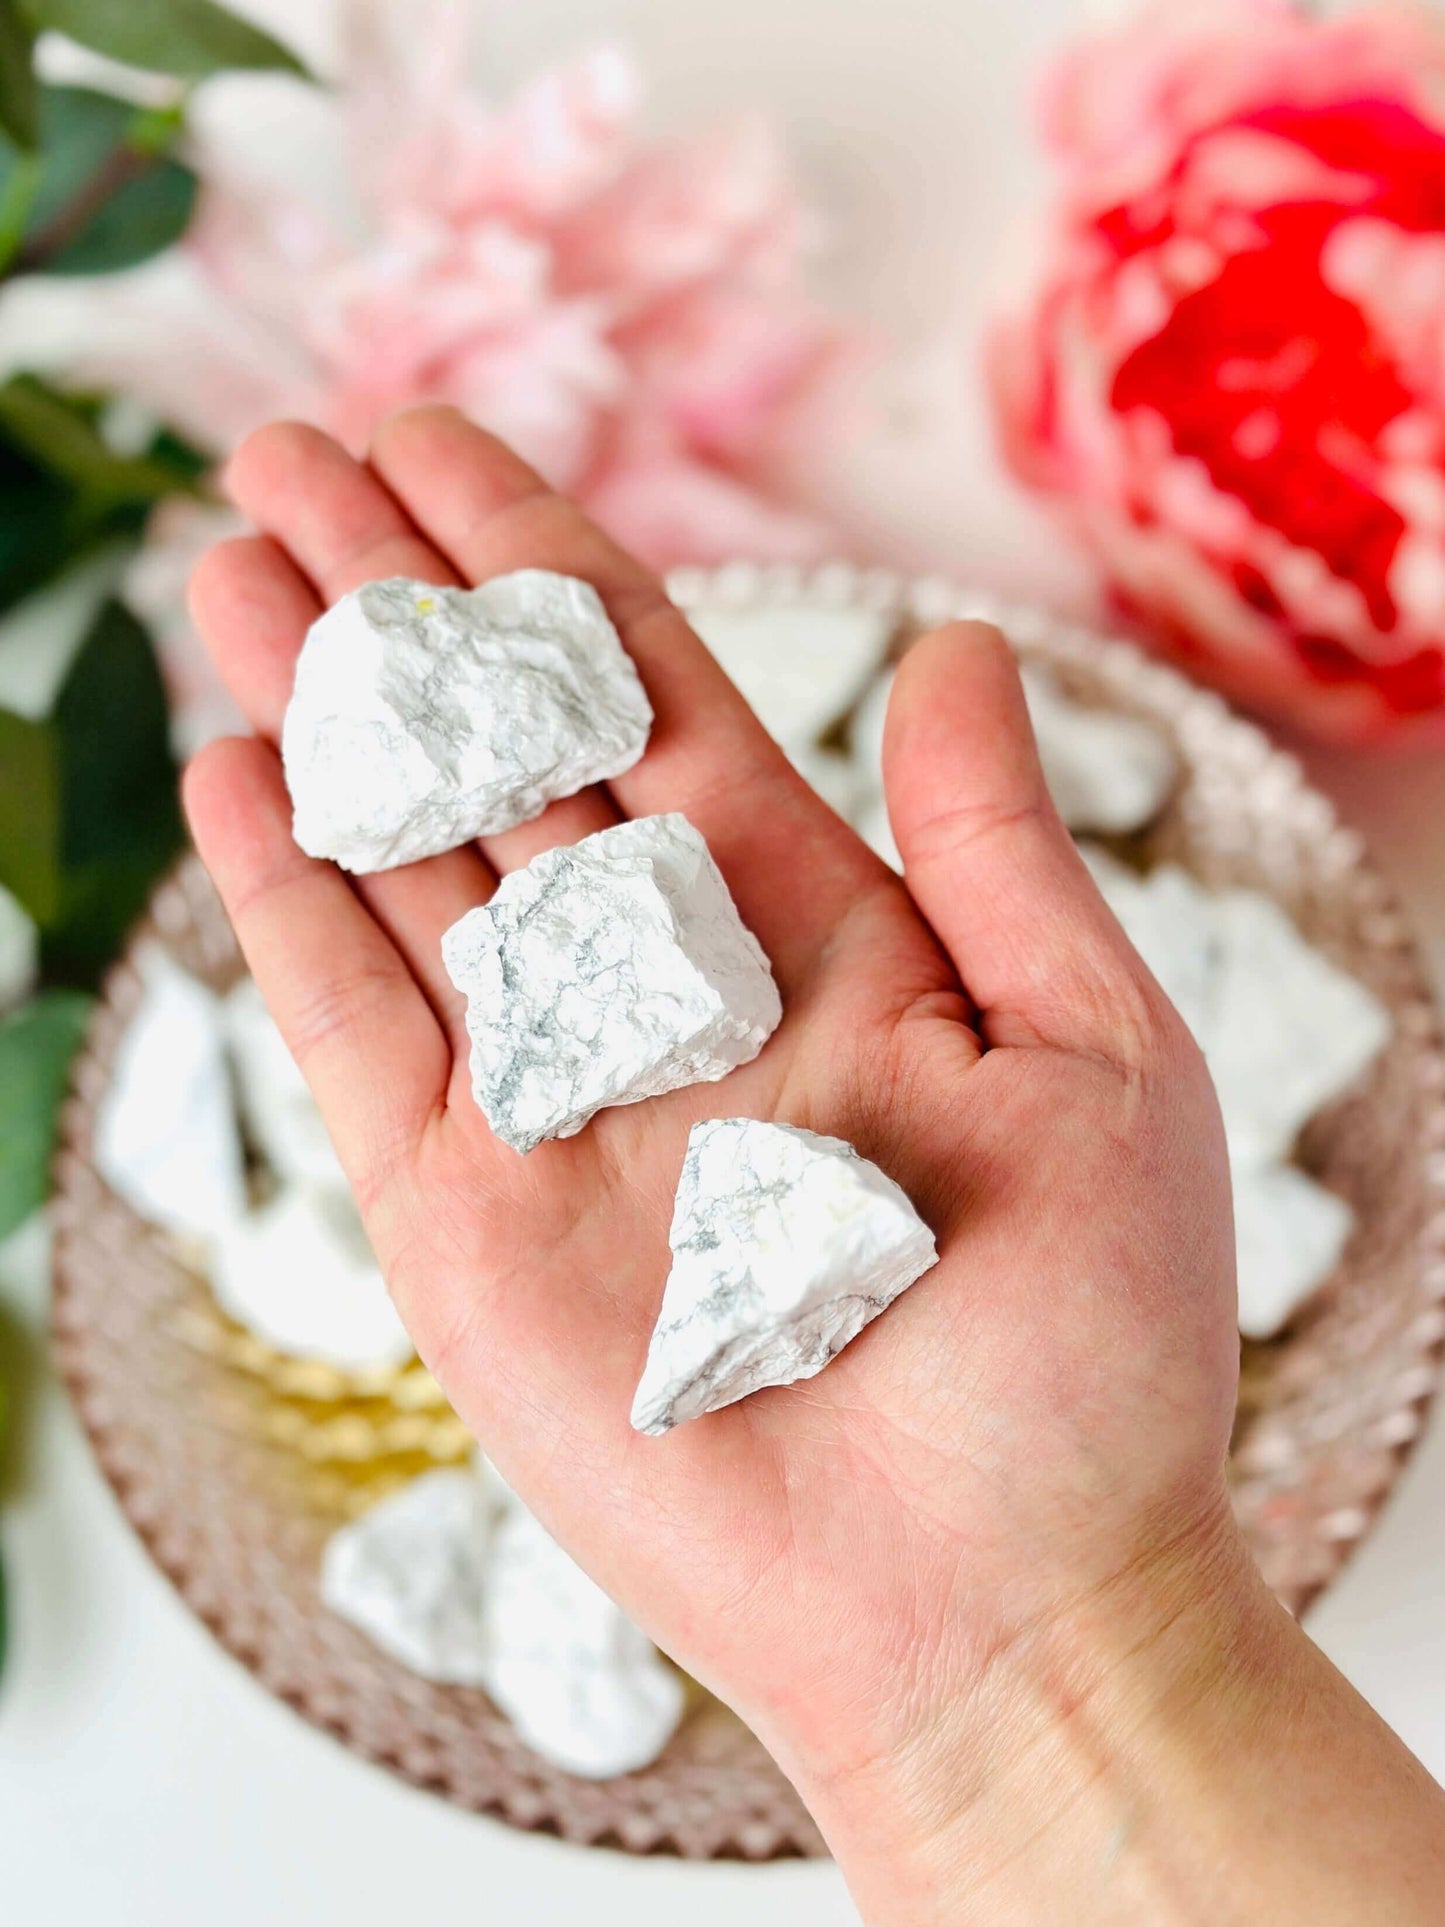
1291,1032
19,951
582,1685
166,1138
1283,1030
276,1103
785,1245
607,971
1107,772
1289,1233
799,668
411,1574
425,716
300,1274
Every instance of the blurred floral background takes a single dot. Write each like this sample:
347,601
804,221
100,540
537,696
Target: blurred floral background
1215,360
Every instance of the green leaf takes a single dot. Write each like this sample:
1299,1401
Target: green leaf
30,816
19,96
36,1046
106,195
190,38
120,815
61,434
4,1619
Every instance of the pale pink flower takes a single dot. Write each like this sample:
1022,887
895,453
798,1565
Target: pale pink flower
1232,375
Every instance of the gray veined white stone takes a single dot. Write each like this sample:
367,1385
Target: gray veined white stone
583,1686
1289,1234
1108,772
410,1573
425,716
166,1138
785,1245
300,1274
604,972
281,1114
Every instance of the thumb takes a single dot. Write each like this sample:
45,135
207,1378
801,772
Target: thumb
990,864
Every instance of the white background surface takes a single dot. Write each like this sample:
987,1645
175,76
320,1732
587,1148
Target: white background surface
144,1778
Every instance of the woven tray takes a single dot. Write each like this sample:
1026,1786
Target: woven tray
234,1473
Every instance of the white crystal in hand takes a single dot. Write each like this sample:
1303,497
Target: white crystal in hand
1289,1234
411,1574
583,1686
604,972
425,716
299,1273
800,668
785,1245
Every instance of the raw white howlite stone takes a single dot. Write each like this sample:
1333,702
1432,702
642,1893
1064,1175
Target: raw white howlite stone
1289,1234
785,1245
799,668
276,1102
583,1686
1107,772
1283,1030
166,1138
604,972
411,1574
456,1579
425,716
300,1274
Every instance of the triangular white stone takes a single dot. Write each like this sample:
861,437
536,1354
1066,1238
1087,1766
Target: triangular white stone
785,1245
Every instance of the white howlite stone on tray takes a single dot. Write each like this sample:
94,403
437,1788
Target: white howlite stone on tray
604,972
1291,1031
799,668
1289,1233
785,1245
1284,1031
276,1102
19,951
425,716
411,1573
583,1686
166,1137
1107,772
300,1274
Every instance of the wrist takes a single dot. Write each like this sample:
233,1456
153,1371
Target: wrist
1056,1763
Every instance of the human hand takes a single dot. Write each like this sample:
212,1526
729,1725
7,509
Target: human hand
1031,1442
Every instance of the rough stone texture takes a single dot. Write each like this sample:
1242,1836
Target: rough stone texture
582,1685
1290,1233
411,1574
166,1138
1107,772
279,1111
785,1245
425,716
299,1273
607,971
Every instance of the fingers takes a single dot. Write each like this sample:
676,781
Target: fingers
364,1036
987,859
795,869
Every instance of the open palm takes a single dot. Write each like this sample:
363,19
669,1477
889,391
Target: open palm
1045,1409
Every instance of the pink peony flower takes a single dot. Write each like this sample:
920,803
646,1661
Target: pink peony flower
630,316
1233,374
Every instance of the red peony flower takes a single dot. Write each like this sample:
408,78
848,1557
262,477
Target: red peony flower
1233,375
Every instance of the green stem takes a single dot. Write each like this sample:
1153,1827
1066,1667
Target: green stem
16,201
